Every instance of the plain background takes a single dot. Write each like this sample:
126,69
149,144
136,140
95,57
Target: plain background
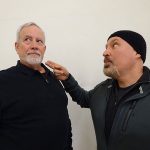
76,34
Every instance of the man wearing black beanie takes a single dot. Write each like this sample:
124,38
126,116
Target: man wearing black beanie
120,105
134,39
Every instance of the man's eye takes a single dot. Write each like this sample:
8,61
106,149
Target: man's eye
39,41
115,44
27,39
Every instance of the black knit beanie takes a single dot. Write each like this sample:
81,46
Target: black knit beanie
134,39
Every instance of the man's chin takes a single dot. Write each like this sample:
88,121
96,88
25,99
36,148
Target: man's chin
113,73
34,61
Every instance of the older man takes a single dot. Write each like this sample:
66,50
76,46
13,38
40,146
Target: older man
33,104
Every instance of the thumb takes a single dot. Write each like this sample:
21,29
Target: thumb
50,64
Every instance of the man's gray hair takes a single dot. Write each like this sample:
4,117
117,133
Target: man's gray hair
28,24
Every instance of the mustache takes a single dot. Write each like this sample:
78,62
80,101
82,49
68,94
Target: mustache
34,52
107,59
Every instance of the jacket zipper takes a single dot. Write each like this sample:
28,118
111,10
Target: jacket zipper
125,123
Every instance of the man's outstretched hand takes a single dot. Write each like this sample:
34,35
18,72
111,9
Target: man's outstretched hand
60,72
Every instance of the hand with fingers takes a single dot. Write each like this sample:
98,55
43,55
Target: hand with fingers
60,72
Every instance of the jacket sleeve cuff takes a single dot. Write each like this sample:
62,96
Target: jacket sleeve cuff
70,83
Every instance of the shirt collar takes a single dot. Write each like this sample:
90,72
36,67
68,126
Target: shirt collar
29,71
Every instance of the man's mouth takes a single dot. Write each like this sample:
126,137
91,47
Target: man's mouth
107,62
37,54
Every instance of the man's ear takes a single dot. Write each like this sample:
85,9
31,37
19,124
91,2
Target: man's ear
138,55
17,46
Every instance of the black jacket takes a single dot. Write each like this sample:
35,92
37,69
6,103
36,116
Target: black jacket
33,111
131,125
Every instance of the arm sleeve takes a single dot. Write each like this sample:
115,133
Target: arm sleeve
78,94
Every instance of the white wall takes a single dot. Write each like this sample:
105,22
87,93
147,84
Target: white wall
76,32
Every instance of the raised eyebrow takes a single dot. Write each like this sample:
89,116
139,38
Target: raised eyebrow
115,40
39,39
28,36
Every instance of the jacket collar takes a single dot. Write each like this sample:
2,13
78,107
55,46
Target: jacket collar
146,75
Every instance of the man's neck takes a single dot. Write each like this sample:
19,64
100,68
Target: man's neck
129,79
36,67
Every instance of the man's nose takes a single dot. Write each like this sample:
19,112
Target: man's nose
34,45
106,52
